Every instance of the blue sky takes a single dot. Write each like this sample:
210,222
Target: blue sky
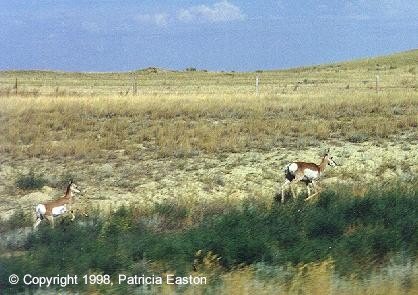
110,35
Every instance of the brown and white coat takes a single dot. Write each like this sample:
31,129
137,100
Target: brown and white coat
308,173
56,207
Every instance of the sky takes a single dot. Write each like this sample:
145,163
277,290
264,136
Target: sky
111,35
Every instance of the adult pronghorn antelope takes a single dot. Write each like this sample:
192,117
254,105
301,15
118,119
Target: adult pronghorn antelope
57,207
307,173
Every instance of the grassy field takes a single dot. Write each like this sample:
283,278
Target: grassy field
192,144
187,113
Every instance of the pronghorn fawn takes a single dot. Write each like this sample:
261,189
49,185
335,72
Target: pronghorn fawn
57,207
307,173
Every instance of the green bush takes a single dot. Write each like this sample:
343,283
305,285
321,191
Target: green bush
30,181
18,219
357,233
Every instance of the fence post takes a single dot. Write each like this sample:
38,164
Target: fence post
377,84
134,85
256,84
15,86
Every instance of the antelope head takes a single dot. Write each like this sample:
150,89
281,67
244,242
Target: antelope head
330,160
74,188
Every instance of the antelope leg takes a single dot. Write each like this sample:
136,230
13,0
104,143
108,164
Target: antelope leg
51,221
37,222
293,182
311,196
317,191
286,183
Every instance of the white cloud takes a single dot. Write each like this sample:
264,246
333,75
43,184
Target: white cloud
185,15
219,12
159,19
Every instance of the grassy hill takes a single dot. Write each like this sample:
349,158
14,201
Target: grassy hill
401,59
398,70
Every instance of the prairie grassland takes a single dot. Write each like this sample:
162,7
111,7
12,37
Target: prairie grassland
185,123
206,141
185,113
181,125
398,70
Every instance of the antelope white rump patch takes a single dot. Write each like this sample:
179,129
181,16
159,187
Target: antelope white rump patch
293,167
40,210
59,210
311,174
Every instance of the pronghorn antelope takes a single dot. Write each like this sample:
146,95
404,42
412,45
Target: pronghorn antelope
307,173
56,207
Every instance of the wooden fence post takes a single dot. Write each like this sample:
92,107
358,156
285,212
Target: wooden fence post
256,84
134,87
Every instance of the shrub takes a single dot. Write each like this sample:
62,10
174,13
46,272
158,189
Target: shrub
358,137
358,234
30,181
18,219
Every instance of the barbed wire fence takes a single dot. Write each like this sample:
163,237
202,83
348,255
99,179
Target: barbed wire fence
227,83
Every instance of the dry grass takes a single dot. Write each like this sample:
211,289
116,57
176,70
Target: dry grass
85,115
180,126
312,278
320,278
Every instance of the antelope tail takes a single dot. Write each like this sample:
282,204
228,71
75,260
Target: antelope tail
288,174
40,211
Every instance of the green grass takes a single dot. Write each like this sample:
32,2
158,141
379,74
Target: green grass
358,234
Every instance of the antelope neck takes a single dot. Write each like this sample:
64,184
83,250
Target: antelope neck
322,165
